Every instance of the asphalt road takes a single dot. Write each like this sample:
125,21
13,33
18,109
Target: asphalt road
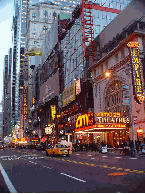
31,171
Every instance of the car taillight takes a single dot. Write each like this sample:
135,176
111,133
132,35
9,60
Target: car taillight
58,149
70,149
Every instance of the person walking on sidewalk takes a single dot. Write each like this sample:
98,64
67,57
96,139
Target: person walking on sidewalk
100,148
121,146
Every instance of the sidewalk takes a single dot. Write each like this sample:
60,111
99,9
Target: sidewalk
113,152
109,153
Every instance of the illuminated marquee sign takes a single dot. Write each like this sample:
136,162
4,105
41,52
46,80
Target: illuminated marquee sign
84,120
109,117
137,77
102,126
53,111
25,103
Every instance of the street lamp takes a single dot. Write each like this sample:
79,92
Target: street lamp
39,121
128,72
107,74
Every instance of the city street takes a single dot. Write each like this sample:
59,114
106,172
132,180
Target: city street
26,170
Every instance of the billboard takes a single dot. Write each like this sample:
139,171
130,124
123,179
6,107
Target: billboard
50,88
69,94
78,86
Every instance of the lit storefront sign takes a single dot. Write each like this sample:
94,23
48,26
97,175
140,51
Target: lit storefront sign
48,130
105,117
53,111
22,140
34,139
25,103
106,121
140,132
34,100
84,120
137,76
69,94
92,128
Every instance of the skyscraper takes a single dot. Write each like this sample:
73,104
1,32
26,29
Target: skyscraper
7,94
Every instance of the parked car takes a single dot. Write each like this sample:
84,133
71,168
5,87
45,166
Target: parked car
58,149
41,147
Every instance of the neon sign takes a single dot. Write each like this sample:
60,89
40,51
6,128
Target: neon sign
105,117
137,77
85,120
25,103
133,44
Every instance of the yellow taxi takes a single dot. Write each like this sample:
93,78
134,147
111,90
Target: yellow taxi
58,149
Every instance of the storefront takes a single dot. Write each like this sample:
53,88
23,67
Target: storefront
110,128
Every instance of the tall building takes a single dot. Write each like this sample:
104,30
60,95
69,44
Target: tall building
19,31
7,94
1,121
103,12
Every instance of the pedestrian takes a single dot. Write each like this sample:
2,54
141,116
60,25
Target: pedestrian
122,147
100,148
86,147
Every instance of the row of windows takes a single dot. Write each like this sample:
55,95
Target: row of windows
104,67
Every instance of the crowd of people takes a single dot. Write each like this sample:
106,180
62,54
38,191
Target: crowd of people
86,147
97,147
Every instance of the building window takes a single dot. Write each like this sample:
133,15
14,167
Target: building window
114,98
101,69
34,16
45,13
116,58
123,53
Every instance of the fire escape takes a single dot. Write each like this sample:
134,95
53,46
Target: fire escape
88,43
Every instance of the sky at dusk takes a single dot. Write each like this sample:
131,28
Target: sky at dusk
6,15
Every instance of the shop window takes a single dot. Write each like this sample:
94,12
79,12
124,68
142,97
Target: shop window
116,58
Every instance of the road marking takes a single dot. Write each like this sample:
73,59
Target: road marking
77,154
127,169
133,158
92,158
89,155
73,177
117,174
48,167
104,156
118,157
7,180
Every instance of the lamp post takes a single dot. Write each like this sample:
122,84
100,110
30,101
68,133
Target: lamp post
128,72
39,133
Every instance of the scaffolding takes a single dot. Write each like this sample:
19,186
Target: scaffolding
76,35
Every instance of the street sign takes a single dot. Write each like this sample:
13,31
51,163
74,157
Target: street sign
126,99
135,120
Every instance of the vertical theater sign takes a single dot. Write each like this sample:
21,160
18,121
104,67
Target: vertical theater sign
137,77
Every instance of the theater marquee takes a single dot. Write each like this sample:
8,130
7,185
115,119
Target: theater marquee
137,77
